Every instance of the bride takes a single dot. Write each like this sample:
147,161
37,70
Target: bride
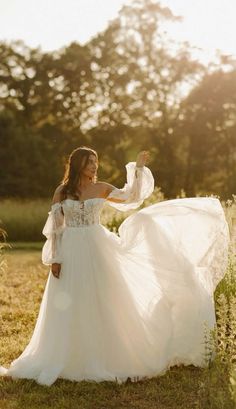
123,305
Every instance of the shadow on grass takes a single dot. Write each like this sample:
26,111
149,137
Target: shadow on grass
180,388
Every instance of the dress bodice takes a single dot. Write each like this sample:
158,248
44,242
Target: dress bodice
82,213
78,213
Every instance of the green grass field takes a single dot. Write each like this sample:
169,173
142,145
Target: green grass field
23,220
22,285
22,282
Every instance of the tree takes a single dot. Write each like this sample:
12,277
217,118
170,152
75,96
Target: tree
207,133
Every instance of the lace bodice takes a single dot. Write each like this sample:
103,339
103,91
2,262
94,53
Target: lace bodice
82,212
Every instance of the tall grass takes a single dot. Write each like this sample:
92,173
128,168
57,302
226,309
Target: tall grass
220,374
24,219
213,387
3,246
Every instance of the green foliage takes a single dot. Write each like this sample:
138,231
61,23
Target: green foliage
119,93
207,129
217,385
24,219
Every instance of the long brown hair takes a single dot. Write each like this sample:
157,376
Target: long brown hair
74,167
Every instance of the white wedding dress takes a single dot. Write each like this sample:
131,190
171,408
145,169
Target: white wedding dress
127,305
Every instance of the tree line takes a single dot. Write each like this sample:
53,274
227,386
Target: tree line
131,87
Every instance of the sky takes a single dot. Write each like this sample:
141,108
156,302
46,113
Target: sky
51,24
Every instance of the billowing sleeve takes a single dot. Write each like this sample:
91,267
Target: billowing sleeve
53,229
139,185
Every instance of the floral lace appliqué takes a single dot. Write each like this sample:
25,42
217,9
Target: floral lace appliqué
82,213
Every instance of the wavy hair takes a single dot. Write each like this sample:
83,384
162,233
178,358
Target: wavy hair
74,167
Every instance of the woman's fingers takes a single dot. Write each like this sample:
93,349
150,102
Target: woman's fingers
142,158
56,274
55,269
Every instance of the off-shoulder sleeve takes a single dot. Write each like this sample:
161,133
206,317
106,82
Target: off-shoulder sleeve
53,229
139,185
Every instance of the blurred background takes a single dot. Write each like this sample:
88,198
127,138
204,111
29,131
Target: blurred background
118,76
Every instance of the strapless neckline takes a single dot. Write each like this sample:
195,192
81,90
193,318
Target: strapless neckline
85,200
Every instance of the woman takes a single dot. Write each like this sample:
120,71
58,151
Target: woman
127,305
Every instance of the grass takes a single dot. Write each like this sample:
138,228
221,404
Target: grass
23,279
180,388
23,220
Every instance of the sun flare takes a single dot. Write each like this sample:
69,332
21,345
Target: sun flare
208,24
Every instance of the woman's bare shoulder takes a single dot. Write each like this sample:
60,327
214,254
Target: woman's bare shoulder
57,196
105,188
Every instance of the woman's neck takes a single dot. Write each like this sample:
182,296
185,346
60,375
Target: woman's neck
84,183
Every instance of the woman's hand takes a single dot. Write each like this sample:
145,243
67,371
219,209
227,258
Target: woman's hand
55,269
142,158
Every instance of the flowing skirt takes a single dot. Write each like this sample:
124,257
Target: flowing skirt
133,304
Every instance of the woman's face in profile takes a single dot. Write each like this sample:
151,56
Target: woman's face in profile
91,168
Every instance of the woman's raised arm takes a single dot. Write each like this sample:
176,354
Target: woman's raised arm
139,185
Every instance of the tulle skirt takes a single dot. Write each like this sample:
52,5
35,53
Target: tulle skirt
133,304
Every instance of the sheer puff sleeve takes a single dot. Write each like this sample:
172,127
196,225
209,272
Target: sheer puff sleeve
139,186
53,229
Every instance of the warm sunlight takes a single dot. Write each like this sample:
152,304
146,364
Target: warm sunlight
117,204
208,24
